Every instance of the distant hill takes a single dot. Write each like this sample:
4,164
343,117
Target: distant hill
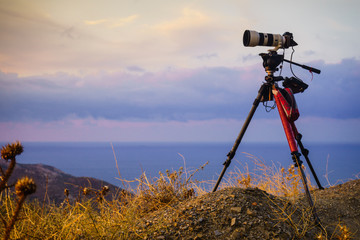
51,182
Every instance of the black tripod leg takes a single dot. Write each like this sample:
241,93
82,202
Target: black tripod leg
231,154
298,163
305,152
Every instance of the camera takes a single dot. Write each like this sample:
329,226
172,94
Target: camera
254,38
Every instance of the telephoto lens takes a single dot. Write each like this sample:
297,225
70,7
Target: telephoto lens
253,38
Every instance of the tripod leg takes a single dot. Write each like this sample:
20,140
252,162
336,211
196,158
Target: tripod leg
231,154
289,132
305,152
298,163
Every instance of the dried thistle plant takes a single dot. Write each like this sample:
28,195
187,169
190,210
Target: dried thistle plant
9,152
23,187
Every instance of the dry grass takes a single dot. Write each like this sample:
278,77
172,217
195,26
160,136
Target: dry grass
92,216
275,180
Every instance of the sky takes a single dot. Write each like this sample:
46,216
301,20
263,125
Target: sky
137,70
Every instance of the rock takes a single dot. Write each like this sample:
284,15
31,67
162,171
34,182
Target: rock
238,233
217,233
249,212
233,222
236,209
200,220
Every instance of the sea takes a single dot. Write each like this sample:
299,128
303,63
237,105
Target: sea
115,162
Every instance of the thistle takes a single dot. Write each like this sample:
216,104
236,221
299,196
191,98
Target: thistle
23,188
9,152
86,191
66,192
104,190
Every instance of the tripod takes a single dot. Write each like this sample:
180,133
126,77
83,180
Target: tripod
286,105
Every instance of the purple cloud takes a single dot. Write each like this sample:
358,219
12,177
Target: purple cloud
179,95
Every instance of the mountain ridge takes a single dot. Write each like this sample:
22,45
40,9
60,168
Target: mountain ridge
51,182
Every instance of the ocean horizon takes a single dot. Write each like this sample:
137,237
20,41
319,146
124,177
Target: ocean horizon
128,160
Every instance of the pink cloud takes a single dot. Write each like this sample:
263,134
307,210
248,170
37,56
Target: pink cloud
215,130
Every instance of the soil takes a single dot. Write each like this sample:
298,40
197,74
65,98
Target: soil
236,213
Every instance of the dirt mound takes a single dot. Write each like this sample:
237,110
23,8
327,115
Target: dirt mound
236,213
340,205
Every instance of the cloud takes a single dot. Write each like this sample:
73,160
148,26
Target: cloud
27,14
173,95
170,95
96,22
122,21
34,42
333,92
207,56
250,57
135,69
190,18
215,130
41,37
113,23
194,33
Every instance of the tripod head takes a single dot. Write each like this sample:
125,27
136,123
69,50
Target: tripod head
271,61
